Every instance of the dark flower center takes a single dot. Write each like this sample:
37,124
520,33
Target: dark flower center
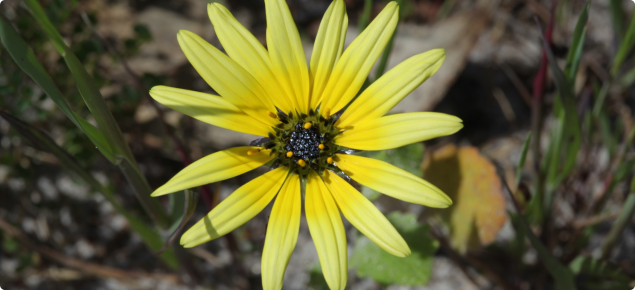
304,143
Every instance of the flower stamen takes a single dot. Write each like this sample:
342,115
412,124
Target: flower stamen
289,154
307,125
321,146
301,162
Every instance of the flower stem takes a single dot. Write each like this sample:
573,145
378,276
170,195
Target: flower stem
142,189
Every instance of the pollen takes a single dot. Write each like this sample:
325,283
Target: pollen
327,112
272,115
252,152
321,146
289,154
301,163
329,160
307,125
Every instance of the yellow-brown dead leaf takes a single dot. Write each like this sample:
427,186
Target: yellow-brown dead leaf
478,212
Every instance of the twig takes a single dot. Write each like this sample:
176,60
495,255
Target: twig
537,8
453,255
88,268
591,221
520,87
205,255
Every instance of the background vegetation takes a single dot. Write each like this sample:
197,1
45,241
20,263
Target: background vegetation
542,175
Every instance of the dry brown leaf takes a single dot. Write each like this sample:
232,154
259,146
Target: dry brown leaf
478,212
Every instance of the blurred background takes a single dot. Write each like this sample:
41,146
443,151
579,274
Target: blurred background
572,180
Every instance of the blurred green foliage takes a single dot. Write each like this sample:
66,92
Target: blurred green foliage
372,261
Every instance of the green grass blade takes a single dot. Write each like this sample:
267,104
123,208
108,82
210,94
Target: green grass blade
617,17
620,224
625,48
26,60
383,61
567,133
629,78
561,274
364,19
521,160
96,137
575,51
104,118
43,142
87,88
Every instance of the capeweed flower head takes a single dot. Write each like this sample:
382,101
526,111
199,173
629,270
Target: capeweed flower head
311,122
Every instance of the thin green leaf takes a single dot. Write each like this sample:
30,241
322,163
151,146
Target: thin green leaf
575,51
629,78
563,277
617,17
104,118
625,48
191,199
96,137
620,224
383,61
445,9
521,160
87,88
43,142
364,19
566,133
597,269
26,60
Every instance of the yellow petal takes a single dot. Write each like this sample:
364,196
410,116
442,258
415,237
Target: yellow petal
282,233
328,48
242,205
226,77
286,53
327,231
209,108
365,216
391,180
353,67
398,130
248,52
391,88
215,167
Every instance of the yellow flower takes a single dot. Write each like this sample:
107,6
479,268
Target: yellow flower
272,93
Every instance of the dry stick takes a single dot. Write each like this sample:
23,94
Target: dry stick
594,220
206,194
520,87
88,268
